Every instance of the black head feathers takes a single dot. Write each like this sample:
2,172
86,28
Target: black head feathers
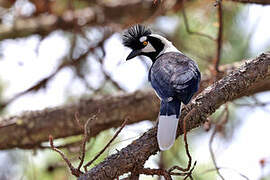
131,37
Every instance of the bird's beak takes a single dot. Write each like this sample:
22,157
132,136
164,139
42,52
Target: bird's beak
133,54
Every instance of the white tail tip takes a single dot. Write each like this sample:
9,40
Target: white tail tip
166,133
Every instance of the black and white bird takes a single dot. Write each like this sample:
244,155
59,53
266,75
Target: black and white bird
174,76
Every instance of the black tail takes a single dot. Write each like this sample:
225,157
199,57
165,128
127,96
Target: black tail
170,108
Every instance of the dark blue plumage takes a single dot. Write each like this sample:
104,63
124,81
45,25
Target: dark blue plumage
174,77
170,108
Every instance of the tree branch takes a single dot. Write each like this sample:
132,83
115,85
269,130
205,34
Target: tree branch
32,128
230,87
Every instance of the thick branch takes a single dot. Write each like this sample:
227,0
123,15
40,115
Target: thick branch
32,128
232,86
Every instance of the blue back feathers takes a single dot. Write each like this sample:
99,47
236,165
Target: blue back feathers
175,75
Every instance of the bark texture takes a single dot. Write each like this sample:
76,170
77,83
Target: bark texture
237,84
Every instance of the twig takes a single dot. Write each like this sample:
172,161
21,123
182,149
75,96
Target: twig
159,172
43,83
107,76
67,145
85,139
161,163
213,154
185,139
240,174
219,38
186,146
166,174
74,171
187,172
256,102
218,128
107,145
187,25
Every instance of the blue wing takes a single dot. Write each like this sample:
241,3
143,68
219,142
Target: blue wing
175,75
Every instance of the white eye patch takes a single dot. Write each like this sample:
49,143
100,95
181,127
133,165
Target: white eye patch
143,38
148,48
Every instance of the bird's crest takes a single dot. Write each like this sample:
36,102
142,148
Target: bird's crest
131,37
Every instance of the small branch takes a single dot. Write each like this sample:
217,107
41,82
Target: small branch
43,83
187,172
256,102
107,145
66,146
161,164
219,127
185,139
74,171
226,168
188,28
159,172
85,139
186,146
213,154
166,174
219,38
107,76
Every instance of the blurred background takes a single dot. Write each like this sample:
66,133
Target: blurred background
67,50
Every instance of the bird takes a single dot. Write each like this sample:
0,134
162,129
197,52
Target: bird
174,77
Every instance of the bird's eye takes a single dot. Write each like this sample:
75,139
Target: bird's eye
145,43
